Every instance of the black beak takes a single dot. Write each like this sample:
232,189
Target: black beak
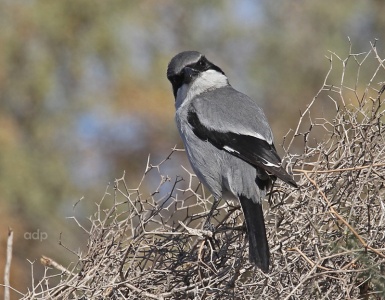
189,74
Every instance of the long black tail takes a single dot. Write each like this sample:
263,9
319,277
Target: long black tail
258,247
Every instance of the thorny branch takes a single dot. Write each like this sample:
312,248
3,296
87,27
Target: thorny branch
326,238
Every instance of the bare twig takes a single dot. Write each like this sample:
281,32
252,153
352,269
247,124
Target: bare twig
7,271
49,262
334,212
147,242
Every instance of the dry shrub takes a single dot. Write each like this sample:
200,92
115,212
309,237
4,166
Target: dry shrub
326,238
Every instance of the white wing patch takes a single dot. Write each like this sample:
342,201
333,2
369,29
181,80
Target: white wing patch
227,148
253,134
269,164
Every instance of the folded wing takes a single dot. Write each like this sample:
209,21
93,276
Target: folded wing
249,145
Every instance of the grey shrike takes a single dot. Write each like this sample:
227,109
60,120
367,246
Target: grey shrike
228,141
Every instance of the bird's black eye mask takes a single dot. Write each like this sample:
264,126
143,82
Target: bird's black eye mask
200,66
203,65
176,81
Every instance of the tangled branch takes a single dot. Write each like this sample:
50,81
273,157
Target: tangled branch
326,239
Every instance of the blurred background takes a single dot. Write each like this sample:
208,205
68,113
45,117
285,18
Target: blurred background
84,95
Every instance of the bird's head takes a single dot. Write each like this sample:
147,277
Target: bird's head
190,70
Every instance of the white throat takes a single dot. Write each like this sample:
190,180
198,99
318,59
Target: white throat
208,80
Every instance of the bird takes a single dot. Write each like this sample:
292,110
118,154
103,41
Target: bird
228,141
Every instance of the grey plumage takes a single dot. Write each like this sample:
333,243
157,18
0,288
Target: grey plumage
228,141
219,169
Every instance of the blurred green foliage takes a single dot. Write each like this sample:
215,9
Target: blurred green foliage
84,96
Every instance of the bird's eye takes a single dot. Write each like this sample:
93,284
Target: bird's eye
201,65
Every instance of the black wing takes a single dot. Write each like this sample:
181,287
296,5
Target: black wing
255,151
